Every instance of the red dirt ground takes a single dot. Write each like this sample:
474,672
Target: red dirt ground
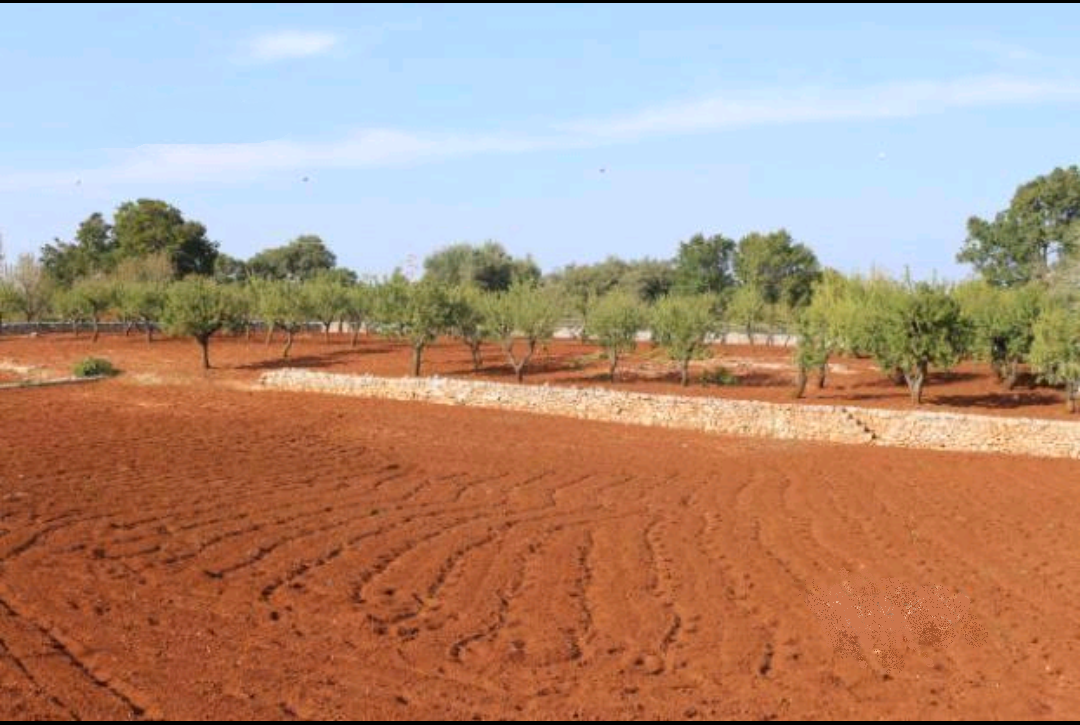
201,552
763,373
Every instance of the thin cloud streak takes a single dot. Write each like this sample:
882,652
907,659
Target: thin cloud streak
382,148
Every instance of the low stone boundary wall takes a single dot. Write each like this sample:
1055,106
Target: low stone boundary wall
833,424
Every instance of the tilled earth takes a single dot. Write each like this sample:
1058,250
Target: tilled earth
198,551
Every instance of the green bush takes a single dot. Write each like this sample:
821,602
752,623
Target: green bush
719,376
93,367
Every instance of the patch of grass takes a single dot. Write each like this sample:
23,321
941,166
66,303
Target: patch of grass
719,376
94,367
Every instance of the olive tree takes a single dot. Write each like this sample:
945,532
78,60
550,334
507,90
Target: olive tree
198,307
682,325
327,299
614,321
284,304
1055,351
358,308
91,299
912,326
422,313
467,320
142,302
1003,321
747,309
524,312
824,328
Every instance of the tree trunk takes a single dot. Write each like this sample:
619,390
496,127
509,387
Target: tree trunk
326,334
96,333
800,383
685,372
204,343
915,382
1072,391
822,374
128,326
247,332
417,359
477,355
288,343
613,360
750,334
519,367
270,334
149,332
355,334
1012,374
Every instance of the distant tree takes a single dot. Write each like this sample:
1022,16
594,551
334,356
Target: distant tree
782,270
93,253
31,286
649,279
703,265
147,226
9,300
425,314
488,266
299,260
1025,242
198,307
682,325
230,269
527,312
582,285
467,321
615,320
1055,352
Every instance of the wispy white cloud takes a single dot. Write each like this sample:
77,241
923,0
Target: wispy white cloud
374,148
815,104
289,44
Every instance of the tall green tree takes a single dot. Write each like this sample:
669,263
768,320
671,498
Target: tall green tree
488,266
92,299
682,326
285,304
93,253
301,259
703,265
782,270
149,226
1039,230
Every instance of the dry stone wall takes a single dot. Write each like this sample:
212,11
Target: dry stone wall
834,424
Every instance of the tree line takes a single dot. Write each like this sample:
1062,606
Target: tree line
151,267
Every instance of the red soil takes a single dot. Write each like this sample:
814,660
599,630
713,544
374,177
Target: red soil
199,552
762,373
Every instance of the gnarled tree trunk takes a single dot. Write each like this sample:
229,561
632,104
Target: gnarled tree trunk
800,382
685,372
288,343
916,380
476,353
613,362
822,375
204,343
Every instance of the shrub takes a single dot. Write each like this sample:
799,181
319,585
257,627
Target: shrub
93,367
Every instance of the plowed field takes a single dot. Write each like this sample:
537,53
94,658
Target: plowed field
199,552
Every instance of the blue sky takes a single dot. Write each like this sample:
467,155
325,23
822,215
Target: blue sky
870,133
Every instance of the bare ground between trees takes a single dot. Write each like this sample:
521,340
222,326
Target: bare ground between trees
760,372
